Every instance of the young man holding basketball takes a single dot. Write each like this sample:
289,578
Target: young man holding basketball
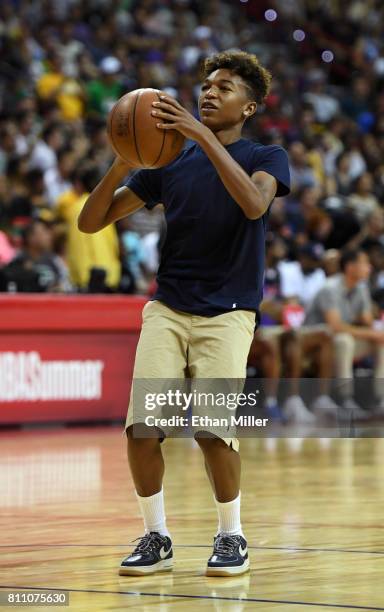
216,196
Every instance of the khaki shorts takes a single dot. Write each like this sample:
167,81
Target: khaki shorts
174,343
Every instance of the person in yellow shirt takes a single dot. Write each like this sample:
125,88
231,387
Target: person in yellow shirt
66,91
86,252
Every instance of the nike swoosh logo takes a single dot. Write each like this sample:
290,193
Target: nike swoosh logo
243,551
164,553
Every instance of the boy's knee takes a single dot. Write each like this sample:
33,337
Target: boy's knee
141,436
210,443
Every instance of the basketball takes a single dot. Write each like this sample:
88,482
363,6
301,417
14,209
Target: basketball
133,133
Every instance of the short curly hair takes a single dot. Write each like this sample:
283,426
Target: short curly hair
245,65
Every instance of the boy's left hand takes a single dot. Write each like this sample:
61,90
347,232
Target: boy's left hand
178,118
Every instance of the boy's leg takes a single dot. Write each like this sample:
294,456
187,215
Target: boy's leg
146,463
161,354
219,349
223,467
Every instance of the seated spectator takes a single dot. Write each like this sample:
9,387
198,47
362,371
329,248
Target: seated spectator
35,268
304,215
57,179
60,250
140,256
88,251
133,256
57,86
343,178
295,348
325,105
44,153
308,351
362,200
27,124
16,173
331,262
132,248
272,305
34,182
302,279
277,352
344,225
302,175
103,92
359,101
371,233
344,304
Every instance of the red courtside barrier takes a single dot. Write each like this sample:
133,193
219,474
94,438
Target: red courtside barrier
66,358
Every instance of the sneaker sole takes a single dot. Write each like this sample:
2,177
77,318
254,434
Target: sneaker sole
228,571
162,566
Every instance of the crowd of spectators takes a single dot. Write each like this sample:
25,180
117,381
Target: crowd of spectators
64,63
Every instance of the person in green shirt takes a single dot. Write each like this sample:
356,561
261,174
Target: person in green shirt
102,93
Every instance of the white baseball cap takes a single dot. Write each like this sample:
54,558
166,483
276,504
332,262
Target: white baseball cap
110,65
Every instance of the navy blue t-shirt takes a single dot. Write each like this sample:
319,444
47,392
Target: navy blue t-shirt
212,259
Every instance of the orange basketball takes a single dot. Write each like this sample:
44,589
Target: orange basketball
133,133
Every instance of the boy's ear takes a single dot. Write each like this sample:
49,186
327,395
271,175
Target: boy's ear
248,112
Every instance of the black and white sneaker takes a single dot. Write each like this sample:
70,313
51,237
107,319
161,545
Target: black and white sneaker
152,554
230,556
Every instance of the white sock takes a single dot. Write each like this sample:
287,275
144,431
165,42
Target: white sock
152,509
229,517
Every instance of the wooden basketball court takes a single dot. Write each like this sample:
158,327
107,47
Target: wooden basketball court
312,514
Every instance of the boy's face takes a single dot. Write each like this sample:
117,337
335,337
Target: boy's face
224,100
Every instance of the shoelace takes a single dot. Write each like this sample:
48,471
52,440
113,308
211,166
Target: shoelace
148,542
226,544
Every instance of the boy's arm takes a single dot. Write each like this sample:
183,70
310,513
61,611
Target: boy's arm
253,194
106,203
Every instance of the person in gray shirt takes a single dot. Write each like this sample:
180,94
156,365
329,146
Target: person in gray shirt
344,304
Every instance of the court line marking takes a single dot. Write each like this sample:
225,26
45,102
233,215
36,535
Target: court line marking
184,596
172,521
283,548
294,549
